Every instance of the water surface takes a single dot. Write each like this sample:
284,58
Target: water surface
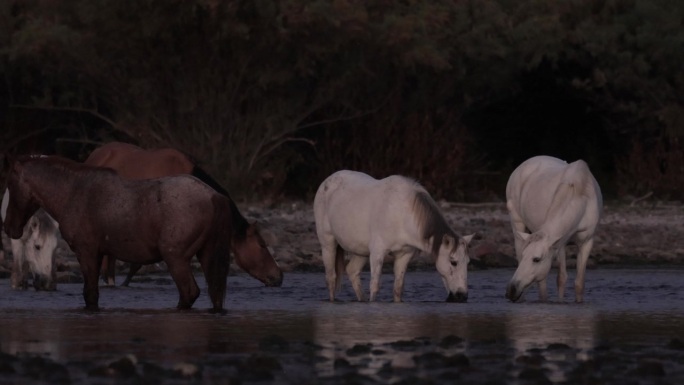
634,314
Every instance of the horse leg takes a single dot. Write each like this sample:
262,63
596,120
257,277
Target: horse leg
518,226
179,268
400,264
90,268
562,273
377,256
582,258
133,268
108,270
543,294
354,267
329,256
18,278
214,262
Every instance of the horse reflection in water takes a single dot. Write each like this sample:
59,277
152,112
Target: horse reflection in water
134,163
399,333
557,332
33,255
99,213
371,219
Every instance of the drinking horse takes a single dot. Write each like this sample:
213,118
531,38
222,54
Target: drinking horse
551,203
169,219
371,219
134,163
33,255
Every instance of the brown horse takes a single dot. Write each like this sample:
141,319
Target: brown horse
132,162
99,213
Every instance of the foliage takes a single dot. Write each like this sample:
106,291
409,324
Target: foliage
271,95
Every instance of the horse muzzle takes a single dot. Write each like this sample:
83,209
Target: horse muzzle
458,297
274,281
513,294
43,283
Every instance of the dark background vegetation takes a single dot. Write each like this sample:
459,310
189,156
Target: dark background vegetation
272,96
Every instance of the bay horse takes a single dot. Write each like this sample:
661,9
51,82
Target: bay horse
551,203
33,255
135,163
371,219
168,219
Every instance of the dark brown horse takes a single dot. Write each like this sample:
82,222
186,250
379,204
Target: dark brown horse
132,162
99,213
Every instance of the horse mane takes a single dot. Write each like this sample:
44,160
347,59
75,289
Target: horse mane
238,220
430,220
45,221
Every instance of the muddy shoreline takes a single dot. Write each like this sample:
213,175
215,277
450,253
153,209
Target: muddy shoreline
645,234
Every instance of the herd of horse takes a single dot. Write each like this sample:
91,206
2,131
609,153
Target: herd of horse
145,206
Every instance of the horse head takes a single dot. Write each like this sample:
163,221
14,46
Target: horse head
535,262
21,203
452,265
40,250
253,256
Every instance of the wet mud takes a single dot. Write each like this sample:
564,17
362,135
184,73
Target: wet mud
630,330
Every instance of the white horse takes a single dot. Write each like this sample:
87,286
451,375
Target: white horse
34,253
370,218
551,203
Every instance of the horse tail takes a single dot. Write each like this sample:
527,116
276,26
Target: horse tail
339,267
569,199
202,175
239,222
577,175
216,272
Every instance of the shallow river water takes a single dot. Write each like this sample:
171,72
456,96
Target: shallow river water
630,330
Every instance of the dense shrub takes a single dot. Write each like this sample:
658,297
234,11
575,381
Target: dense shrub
272,95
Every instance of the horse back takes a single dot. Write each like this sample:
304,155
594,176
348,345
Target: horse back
133,162
548,192
133,220
357,209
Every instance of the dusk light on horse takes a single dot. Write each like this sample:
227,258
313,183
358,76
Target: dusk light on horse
132,162
371,219
551,203
33,255
169,219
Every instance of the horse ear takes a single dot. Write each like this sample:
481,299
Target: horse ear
448,241
470,237
522,235
268,236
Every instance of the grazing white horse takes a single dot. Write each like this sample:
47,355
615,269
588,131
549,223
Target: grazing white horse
551,203
34,253
370,218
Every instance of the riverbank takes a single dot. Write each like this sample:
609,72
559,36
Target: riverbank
644,234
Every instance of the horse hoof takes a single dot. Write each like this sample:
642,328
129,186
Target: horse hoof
217,311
